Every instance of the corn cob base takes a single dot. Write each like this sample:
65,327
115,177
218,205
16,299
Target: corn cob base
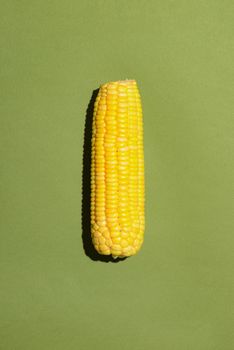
117,170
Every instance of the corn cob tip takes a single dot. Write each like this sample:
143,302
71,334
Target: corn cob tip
119,82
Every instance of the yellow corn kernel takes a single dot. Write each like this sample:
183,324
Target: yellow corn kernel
117,170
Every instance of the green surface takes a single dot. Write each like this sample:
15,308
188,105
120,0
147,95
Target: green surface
177,293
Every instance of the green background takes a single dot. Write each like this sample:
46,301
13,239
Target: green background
177,293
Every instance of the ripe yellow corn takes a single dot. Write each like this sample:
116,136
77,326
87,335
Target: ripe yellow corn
117,170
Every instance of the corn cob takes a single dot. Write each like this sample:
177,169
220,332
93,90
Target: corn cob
117,170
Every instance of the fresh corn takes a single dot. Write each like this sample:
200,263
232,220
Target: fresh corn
117,170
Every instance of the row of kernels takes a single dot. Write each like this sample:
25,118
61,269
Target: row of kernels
111,161
100,163
133,176
93,184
